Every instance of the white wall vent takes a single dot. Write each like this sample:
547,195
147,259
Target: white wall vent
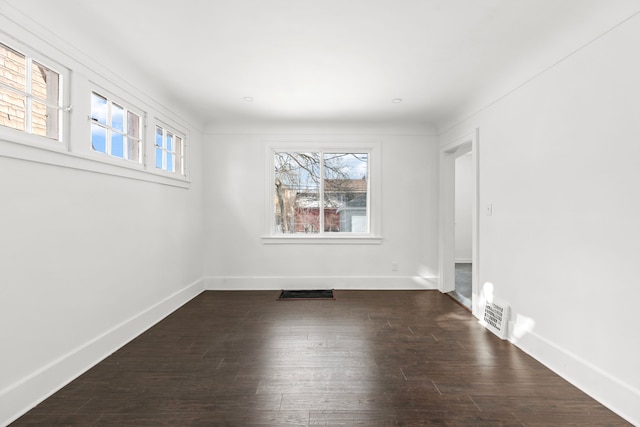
495,318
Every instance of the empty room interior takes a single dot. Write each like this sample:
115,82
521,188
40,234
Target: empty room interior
169,167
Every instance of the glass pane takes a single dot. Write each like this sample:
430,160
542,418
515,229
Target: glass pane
13,68
345,192
179,159
159,158
178,146
53,123
38,82
169,141
12,109
158,137
45,87
170,162
98,138
134,150
38,118
117,144
41,79
133,125
117,117
297,192
359,224
178,165
98,108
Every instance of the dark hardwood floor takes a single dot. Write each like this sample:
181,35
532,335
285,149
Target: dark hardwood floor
369,358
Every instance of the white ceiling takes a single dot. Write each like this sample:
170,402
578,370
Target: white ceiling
331,60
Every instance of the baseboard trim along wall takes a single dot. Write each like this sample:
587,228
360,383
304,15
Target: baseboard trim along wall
612,392
267,283
20,397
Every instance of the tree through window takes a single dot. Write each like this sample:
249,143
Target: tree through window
321,192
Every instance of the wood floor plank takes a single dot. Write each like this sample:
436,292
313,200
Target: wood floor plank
369,358
352,418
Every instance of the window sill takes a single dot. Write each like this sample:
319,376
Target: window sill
57,155
321,240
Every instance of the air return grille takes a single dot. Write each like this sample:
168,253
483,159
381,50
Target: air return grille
495,318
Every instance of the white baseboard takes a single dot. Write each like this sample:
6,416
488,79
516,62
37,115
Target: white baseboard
25,394
276,283
463,261
612,392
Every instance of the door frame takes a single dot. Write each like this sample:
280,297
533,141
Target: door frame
448,154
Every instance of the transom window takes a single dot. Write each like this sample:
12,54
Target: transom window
115,130
169,151
35,124
321,192
30,95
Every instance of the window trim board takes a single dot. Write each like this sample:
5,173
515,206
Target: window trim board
374,236
59,157
63,104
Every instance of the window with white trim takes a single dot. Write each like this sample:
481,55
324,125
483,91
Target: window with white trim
30,95
169,151
35,99
321,192
115,130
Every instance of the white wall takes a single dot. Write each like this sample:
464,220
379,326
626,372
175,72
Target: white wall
559,162
463,207
236,258
79,249
88,259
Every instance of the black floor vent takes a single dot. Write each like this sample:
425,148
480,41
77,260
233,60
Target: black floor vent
307,294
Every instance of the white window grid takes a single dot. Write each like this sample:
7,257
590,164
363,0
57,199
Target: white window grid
110,130
176,153
30,97
321,187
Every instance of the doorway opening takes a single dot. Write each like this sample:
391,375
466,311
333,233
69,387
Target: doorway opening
459,221
463,242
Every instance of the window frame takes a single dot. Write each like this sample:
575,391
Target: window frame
110,130
373,236
166,129
73,148
25,136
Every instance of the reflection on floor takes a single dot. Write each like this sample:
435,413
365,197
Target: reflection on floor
463,284
367,358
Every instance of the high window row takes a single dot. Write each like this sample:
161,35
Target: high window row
31,102
30,95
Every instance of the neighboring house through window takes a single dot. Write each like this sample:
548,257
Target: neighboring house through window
318,192
35,102
30,95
